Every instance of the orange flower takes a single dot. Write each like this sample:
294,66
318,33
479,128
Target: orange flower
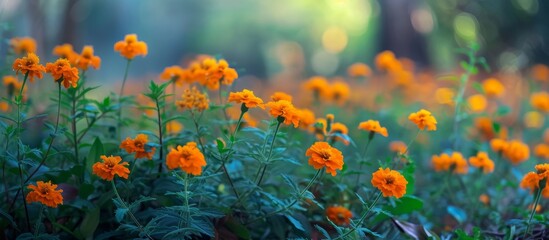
87,59
4,106
192,99
542,151
386,61
484,198
401,77
110,167
12,84
340,129
516,152
319,86
138,146
359,70
247,98
277,96
24,45
46,193
483,162
175,74
306,118
373,126
530,181
61,70
423,119
498,145
477,103
173,127
445,162
492,87
323,155
339,215
397,146
339,91
188,158
445,96
540,101
485,126
212,73
540,72
29,65
390,182
543,170
65,51
285,110
130,47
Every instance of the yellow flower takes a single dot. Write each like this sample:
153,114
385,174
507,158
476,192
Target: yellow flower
192,99
533,119
359,70
477,103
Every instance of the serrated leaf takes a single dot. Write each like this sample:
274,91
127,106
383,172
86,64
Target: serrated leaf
120,213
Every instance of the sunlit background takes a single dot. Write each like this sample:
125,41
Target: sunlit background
286,38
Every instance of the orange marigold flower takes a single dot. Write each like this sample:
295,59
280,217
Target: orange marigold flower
130,47
359,70
423,119
386,61
484,198
542,150
540,72
485,127
323,155
390,182
340,91
445,96
543,170
192,99
23,45
173,127
401,77
373,126
319,86
516,152
498,145
277,96
339,215
12,84
65,51
492,87
4,106
46,193
110,167
397,146
29,65
188,158
477,103
175,74
337,130
446,162
530,181
61,70
213,72
483,162
306,117
138,146
247,98
285,110
540,101
87,59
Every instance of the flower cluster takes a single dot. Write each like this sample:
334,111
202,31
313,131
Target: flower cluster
338,91
455,162
514,150
535,180
62,72
483,162
131,47
192,99
188,158
138,145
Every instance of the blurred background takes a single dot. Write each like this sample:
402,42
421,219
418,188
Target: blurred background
286,38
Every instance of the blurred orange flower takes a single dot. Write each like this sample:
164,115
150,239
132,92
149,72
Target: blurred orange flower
359,70
339,91
530,181
65,51
188,158
45,193
175,74
386,61
23,45
390,182
498,145
285,110
138,146
484,198
339,215
445,96
493,87
423,119
398,147
319,86
533,119
323,155
110,167
61,70
173,127
516,152
131,47
477,103
306,118
192,99
445,162
483,162
4,106
540,101
542,150
86,59
540,72
12,84
29,65
247,98
339,129
281,96
373,126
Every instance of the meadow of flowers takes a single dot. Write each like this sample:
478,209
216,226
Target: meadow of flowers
387,151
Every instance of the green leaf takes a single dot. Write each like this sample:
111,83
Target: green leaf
503,110
238,229
120,213
94,154
89,224
408,173
458,213
8,217
496,126
404,205
295,223
478,87
322,231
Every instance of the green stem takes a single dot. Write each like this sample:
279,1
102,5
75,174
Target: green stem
198,135
361,218
536,202
39,221
129,210
363,156
298,198
19,102
270,154
160,136
120,97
